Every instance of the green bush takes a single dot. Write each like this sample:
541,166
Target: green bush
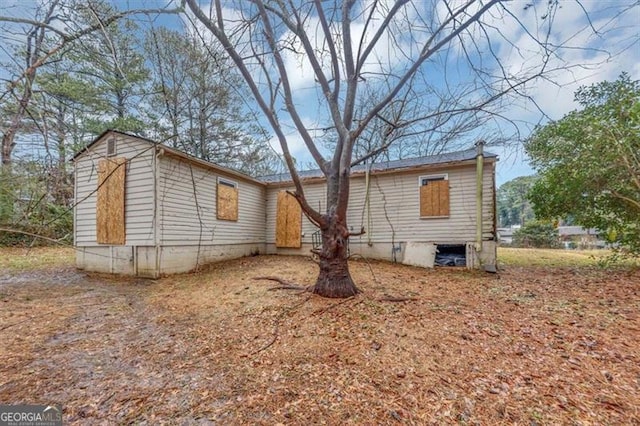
537,234
27,207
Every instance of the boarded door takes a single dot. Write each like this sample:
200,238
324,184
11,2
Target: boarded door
110,228
434,198
288,221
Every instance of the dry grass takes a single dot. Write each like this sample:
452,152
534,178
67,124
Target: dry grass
557,257
549,257
531,345
23,259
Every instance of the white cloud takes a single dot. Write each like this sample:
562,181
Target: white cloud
584,59
295,142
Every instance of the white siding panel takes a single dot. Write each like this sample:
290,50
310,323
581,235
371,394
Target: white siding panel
395,208
187,216
138,191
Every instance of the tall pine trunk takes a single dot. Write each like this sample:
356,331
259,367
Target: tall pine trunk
334,279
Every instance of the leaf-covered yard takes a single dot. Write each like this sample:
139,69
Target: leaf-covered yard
531,345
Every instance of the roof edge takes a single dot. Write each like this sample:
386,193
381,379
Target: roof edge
317,176
171,151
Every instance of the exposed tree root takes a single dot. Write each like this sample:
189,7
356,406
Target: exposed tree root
285,285
356,256
268,344
288,287
387,298
323,310
276,329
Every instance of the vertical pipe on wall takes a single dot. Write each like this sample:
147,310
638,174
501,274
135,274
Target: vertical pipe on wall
159,152
367,201
479,174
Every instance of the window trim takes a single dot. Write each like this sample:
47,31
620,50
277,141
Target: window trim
227,182
432,177
436,177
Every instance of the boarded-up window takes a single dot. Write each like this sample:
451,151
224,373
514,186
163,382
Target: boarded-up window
111,147
434,196
110,227
288,221
227,206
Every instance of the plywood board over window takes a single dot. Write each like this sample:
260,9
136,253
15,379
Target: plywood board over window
288,221
227,205
110,213
434,196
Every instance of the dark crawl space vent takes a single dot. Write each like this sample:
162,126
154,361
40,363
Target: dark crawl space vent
451,255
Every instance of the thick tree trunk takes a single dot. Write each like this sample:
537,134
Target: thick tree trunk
334,279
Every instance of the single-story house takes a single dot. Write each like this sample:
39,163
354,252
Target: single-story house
578,237
505,235
145,209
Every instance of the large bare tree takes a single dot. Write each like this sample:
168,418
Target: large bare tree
398,48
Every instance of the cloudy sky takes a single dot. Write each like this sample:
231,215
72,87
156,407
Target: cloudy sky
593,42
602,56
598,43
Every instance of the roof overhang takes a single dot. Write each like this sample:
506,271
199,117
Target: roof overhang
401,170
172,152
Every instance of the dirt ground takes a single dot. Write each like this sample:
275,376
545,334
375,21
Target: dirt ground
528,346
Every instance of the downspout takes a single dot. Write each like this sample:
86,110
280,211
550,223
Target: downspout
156,209
75,214
367,201
479,184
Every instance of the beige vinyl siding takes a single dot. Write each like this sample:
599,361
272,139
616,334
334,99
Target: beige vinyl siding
179,222
395,207
139,203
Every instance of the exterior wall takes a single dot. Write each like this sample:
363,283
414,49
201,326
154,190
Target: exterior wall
316,194
187,207
177,259
123,260
487,257
152,262
393,217
139,191
170,226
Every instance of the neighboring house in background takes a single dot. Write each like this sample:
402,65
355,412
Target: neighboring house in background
148,210
573,237
505,235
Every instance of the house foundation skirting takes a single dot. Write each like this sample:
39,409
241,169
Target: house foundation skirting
154,262
397,252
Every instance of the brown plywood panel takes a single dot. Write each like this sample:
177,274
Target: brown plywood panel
288,221
294,223
281,219
426,200
227,206
443,197
110,213
434,198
